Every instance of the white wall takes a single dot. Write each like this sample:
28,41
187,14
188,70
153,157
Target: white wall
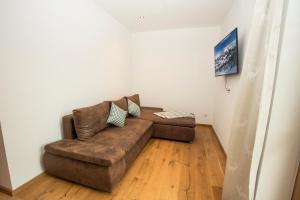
174,69
282,150
239,16
54,56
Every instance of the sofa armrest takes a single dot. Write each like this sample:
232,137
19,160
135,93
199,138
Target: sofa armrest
69,131
85,151
152,108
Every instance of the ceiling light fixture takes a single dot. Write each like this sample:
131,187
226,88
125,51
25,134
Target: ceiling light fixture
141,17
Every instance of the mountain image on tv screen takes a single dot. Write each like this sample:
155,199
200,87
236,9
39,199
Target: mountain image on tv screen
226,55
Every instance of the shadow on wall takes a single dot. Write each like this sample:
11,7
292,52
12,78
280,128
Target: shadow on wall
5,182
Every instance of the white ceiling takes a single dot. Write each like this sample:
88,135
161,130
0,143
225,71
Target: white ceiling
167,14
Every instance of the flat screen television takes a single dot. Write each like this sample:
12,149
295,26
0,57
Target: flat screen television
226,55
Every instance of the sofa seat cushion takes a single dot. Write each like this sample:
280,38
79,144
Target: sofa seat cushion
148,114
87,152
122,138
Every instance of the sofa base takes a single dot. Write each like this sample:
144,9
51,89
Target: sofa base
91,175
99,177
171,132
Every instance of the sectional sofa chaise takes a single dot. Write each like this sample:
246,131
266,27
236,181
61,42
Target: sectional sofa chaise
101,159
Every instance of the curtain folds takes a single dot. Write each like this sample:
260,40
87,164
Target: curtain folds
254,99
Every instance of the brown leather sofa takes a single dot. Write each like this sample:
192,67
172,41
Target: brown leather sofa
101,160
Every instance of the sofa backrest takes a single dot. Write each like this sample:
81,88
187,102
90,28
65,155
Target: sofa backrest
69,131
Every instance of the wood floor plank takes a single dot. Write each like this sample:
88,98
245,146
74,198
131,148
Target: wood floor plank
200,167
215,169
164,170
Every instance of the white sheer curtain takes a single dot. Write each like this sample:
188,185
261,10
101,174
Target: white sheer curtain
251,116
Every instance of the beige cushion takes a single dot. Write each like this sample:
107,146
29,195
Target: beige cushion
90,120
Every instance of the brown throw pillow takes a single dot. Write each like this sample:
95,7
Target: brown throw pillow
122,103
135,98
90,120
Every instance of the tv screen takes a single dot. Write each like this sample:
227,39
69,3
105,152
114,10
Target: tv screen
226,55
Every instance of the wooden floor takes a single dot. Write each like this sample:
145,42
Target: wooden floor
165,170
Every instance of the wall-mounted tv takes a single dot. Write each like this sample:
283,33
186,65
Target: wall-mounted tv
226,55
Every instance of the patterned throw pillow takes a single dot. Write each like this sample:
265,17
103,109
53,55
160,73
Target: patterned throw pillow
135,99
117,116
133,109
